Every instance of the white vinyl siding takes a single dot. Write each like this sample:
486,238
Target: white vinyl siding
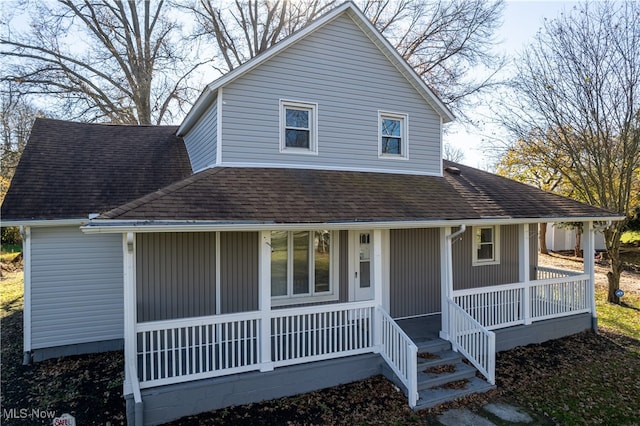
201,142
76,287
340,69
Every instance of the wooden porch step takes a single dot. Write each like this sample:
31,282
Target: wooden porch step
430,359
434,396
433,346
461,371
449,377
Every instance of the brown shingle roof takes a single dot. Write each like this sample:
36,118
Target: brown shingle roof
69,170
276,195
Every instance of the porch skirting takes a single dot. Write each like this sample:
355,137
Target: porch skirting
541,331
166,403
42,354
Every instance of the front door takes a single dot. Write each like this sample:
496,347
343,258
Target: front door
362,283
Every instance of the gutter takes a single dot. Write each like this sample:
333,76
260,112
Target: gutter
34,223
97,226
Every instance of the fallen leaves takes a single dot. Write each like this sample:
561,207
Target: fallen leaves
441,369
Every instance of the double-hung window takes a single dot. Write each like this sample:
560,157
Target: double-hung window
393,137
486,247
301,266
298,127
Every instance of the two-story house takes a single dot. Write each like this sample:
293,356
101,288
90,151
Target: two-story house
299,230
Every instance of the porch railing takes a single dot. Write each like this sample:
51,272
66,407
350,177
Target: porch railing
173,351
401,354
473,340
522,303
321,332
546,273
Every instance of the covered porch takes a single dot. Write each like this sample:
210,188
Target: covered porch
171,351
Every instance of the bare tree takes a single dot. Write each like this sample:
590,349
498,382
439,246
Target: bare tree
520,162
17,117
442,39
578,89
101,60
245,29
452,153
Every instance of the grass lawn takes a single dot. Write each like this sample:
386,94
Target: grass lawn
584,379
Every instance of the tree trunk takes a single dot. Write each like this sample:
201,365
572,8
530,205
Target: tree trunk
542,238
577,249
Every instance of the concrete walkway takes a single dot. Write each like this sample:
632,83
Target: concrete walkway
493,414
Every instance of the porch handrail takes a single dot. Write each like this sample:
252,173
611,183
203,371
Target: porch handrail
480,290
401,354
473,340
507,305
545,272
196,321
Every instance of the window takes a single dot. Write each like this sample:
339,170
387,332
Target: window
298,132
301,265
486,248
393,135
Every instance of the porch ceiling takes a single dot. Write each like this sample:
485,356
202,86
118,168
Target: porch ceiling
285,196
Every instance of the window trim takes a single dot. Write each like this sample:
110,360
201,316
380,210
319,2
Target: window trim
495,260
404,135
312,297
312,107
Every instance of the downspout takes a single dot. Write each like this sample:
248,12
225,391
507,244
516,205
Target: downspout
448,278
458,232
451,237
25,232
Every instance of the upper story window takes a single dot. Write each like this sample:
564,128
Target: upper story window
298,127
393,139
486,245
302,266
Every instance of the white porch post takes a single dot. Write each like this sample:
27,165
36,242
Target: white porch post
26,318
130,315
264,300
525,269
446,281
588,254
376,256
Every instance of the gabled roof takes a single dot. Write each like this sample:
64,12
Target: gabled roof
210,92
69,170
298,196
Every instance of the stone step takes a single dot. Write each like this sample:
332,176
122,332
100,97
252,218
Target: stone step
434,396
439,358
429,380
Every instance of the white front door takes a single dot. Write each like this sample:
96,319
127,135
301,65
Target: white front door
362,266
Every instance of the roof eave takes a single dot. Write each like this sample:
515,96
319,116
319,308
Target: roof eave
34,223
98,226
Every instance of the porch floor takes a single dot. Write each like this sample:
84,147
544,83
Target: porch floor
422,329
